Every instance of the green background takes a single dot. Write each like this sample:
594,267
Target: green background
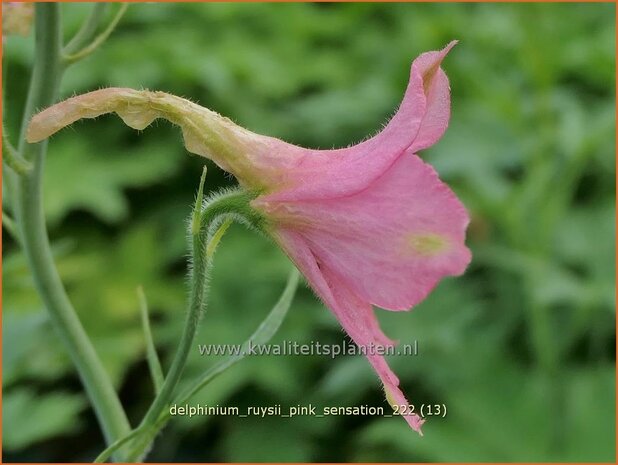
521,349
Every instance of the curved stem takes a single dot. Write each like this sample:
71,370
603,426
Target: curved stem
45,81
12,157
97,41
145,434
116,445
87,32
234,203
262,334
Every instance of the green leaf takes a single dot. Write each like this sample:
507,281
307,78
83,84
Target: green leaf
154,365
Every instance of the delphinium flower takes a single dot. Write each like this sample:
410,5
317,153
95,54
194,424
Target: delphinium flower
368,225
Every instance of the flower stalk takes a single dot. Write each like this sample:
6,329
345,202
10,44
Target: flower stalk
204,232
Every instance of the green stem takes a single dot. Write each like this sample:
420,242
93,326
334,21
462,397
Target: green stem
234,203
107,453
145,433
91,47
88,31
12,157
44,85
263,334
154,365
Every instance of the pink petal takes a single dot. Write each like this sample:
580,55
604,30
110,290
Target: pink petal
391,242
420,121
352,312
437,115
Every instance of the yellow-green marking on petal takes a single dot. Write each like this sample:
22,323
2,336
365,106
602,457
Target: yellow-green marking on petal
427,244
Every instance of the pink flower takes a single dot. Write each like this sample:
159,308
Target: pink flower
370,224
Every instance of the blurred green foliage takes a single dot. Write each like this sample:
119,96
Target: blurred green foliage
520,349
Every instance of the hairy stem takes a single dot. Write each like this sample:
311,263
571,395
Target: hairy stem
202,226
